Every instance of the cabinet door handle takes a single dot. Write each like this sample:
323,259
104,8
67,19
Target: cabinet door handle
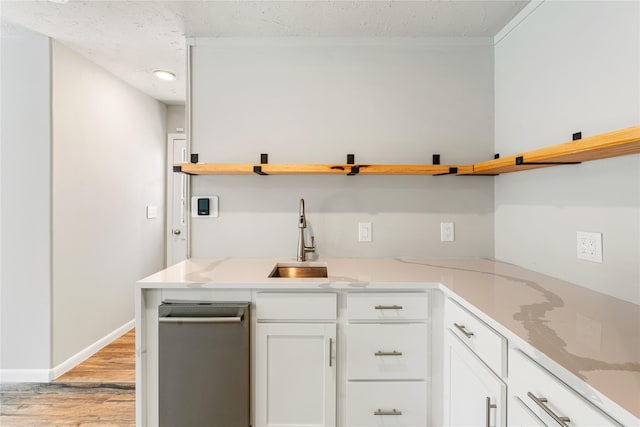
387,412
463,329
237,319
541,402
489,407
330,352
387,353
388,307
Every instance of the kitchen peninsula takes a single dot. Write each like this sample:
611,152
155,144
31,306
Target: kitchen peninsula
580,338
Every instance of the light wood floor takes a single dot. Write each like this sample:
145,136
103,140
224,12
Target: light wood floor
114,363
98,392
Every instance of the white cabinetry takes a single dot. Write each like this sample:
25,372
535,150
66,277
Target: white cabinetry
519,415
393,403
386,359
490,346
547,398
295,378
474,395
387,351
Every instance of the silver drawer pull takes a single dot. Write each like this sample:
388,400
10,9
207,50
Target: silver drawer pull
387,353
386,412
463,329
489,407
541,401
388,307
200,319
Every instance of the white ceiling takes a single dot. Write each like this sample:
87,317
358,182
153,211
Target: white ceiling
133,38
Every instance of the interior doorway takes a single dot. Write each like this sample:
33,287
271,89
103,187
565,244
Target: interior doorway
177,195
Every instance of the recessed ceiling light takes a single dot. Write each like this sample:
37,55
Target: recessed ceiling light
59,1
164,75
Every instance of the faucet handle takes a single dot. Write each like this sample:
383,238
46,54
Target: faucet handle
311,248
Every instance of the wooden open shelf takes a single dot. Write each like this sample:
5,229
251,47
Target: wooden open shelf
320,169
611,144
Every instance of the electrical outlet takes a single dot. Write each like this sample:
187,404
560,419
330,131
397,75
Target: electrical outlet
447,232
364,232
590,246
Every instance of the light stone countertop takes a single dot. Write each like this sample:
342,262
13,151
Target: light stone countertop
593,336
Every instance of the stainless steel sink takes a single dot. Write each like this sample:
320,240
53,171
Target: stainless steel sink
301,270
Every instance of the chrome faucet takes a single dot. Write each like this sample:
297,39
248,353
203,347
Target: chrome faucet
302,247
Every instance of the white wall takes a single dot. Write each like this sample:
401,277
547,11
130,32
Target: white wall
570,66
313,101
108,165
25,251
175,118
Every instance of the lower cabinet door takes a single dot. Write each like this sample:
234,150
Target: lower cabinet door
474,395
398,404
295,375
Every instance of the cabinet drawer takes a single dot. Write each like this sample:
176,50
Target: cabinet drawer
520,415
399,404
533,384
489,345
296,306
387,306
386,351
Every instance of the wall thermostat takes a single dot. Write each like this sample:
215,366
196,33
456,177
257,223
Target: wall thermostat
204,206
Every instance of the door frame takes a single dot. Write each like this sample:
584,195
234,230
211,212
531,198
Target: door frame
171,138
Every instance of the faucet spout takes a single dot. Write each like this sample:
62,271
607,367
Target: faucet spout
303,249
302,223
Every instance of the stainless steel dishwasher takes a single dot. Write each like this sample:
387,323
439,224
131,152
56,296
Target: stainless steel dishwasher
204,363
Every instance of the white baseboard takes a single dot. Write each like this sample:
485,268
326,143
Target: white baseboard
83,355
46,375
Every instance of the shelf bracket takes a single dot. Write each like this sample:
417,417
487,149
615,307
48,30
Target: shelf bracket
179,170
258,170
355,170
520,162
452,171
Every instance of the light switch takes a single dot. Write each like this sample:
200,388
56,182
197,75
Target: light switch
447,233
152,212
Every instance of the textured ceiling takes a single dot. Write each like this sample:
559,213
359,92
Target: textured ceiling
133,38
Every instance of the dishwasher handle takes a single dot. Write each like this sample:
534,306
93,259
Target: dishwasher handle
235,319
